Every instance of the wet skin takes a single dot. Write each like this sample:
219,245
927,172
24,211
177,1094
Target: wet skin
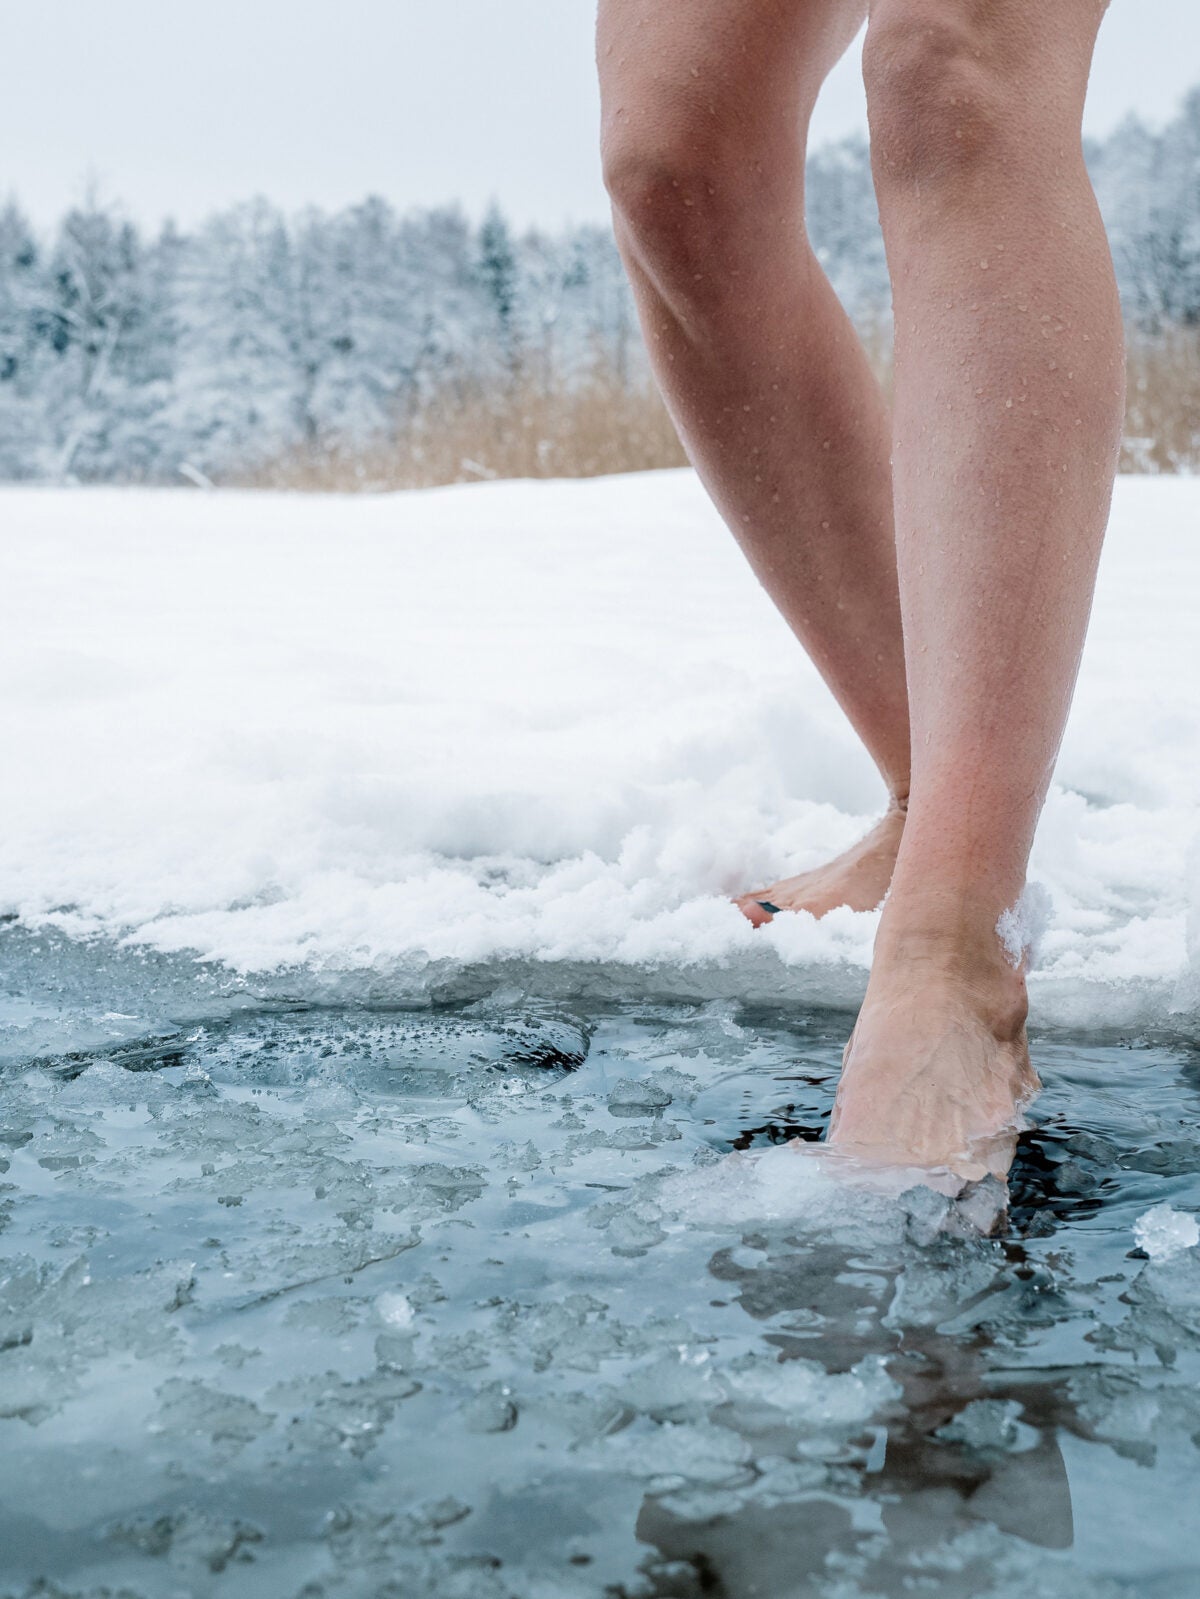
859,878
936,558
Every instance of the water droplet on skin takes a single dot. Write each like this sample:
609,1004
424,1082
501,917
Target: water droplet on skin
983,265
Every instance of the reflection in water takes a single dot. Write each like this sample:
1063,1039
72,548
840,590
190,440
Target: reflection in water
967,1443
957,1448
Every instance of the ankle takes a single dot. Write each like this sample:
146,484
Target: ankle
958,949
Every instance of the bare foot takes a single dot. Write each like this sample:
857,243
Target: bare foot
858,878
937,1070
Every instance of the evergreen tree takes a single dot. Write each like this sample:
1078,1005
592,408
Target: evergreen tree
257,337
22,349
500,279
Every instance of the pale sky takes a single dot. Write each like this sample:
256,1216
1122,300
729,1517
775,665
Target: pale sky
176,107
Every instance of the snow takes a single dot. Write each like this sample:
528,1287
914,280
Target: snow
384,743
1021,926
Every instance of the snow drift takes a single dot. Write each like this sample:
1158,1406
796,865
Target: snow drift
387,744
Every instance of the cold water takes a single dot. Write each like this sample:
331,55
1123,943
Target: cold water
514,1299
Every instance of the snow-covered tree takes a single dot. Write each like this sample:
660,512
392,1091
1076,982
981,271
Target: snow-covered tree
259,338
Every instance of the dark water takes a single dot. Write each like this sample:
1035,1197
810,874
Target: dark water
317,1302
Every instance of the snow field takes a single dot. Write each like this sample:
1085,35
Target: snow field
540,727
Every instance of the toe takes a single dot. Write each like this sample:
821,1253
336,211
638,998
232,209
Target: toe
756,911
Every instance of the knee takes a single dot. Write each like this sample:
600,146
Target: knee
939,93
653,171
684,186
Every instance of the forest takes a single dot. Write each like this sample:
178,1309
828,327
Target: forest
376,348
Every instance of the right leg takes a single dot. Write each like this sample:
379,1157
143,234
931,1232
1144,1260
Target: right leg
705,115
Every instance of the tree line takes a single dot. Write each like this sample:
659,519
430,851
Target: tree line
130,356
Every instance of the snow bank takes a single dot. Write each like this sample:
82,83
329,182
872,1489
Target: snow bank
392,741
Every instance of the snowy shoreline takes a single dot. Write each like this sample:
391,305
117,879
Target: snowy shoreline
404,742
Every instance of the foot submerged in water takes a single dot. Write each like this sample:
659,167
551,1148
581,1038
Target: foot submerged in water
937,1070
858,878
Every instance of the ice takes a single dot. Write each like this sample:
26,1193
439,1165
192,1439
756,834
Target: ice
637,1098
1163,1232
674,1453
190,1540
468,1334
985,1425
491,1410
809,1395
193,1410
1164,1317
395,1309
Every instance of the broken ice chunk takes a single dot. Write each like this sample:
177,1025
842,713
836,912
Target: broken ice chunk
1163,1232
395,1309
631,1098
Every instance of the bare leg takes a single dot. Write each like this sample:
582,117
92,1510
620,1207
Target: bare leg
706,108
1007,424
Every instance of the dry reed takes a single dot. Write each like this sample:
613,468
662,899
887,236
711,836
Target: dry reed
519,428
525,427
1162,410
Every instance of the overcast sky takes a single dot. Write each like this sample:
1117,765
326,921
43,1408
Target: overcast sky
176,107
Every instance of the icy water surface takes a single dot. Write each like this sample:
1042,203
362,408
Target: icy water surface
475,1302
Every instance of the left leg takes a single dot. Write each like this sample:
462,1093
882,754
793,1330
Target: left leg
1008,404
